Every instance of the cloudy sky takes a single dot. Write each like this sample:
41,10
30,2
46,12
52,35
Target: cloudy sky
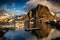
23,6
13,6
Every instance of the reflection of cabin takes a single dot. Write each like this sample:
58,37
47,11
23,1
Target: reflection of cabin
36,18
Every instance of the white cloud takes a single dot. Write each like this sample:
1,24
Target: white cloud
17,12
4,9
20,12
33,2
13,4
26,8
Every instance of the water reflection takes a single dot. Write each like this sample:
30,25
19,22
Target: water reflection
19,35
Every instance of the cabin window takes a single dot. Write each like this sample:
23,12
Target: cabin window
31,24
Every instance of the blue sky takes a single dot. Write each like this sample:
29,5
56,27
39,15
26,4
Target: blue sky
23,6
13,6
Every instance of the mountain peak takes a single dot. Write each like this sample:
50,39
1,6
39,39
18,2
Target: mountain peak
40,6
